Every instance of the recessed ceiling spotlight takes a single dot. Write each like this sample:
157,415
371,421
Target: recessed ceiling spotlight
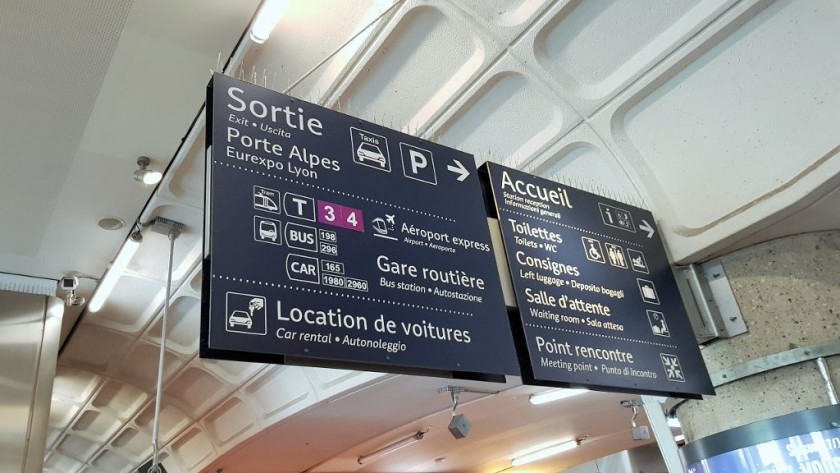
111,223
144,174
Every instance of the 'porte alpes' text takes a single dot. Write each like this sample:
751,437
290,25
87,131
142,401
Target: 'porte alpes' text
557,196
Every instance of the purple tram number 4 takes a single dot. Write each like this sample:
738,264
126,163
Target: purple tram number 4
340,216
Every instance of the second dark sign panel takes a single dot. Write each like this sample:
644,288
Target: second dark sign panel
598,303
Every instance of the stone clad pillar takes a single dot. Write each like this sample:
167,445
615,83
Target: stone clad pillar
788,291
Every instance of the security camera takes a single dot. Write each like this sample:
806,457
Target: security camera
69,283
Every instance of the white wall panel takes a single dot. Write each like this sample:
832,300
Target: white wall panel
172,421
229,422
127,309
119,399
182,326
96,425
133,444
279,391
729,118
94,349
396,80
78,448
192,448
195,391
591,50
141,366
581,159
508,116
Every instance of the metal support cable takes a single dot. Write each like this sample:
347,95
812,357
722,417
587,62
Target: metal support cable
155,468
337,50
826,376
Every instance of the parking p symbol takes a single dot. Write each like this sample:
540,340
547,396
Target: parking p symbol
418,164
418,160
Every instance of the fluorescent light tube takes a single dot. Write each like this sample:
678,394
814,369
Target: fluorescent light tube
106,285
390,448
269,15
554,395
544,452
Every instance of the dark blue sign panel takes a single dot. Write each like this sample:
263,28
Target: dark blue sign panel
816,452
338,242
598,302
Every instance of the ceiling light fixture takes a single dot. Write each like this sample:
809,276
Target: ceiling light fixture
544,451
110,223
554,395
144,174
106,285
268,16
393,447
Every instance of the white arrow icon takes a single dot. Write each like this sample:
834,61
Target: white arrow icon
646,227
459,169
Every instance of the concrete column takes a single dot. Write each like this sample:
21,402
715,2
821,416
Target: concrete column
789,293
30,327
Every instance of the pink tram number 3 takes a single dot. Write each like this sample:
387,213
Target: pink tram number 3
340,216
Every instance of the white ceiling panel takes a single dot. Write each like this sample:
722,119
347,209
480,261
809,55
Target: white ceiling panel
507,116
729,130
172,421
233,372
76,447
279,391
54,58
181,326
728,118
581,160
61,413
231,422
119,399
395,85
592,50
130,309
96,425
73,385
186,183
112,461
57,463
195,391
505,19
133,444
141,366
296,47
93,348
192,448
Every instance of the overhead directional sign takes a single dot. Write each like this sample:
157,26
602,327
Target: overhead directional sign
334,241
598,303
